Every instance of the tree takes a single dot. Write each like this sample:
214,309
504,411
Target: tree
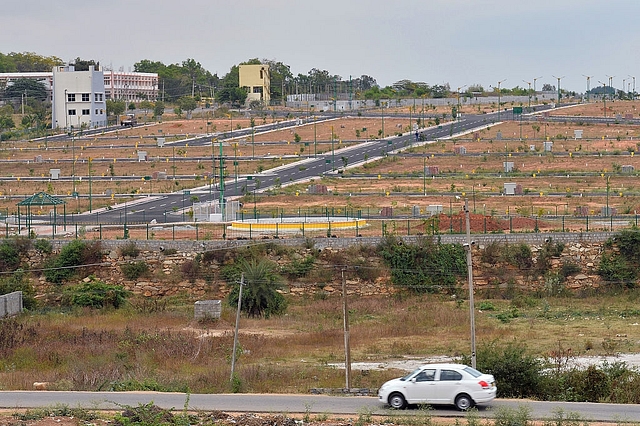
146,106
131,106
260,297
115,108
33,88
158,109
6,122
83,65
187,104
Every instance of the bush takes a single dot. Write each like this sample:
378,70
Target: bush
43,246
614,268
190,269
96,294
519,255
492,253
73,256
134,270
299,267
517,372
129,250
9,256
18,281
424,266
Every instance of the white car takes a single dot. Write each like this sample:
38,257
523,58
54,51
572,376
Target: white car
455,384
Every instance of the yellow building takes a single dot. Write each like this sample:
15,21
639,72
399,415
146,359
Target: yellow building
257,81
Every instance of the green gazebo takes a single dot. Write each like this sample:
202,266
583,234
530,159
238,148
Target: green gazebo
40,200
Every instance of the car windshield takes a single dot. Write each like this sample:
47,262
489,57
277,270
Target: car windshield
416,371
473,371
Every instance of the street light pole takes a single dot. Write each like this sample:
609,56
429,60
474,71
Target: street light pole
604,97
559,78
610,77
534,88
529,91
499,103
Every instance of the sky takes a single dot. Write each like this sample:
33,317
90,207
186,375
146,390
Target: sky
459,42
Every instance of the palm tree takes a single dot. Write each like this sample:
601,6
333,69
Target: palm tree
259,295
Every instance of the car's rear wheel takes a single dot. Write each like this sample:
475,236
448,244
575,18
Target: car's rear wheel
397,401
463,402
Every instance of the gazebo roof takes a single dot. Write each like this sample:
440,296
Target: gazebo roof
41,199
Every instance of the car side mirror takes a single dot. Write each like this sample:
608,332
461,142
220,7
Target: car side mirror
413,379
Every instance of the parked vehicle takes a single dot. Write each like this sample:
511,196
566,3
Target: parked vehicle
128,120
436,384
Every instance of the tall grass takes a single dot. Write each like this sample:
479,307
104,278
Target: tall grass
166,349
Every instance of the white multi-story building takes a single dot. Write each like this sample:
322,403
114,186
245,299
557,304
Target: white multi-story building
131,86
119,85
78,99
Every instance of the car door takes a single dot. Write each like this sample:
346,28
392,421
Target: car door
420,389
448,385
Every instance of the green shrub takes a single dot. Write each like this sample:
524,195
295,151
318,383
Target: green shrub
129,250
134,270
424,266
507,416
517,372
519,255
95,294
18,281
76,258
614,268
492,253
299,267
43,246
9,256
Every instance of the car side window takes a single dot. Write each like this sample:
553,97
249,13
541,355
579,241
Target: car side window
450,375
426,376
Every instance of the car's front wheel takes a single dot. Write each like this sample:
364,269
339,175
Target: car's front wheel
463,402
397,401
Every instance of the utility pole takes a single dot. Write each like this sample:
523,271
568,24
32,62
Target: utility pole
235,336
347,349
470,276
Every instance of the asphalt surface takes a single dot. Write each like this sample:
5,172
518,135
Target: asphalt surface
270,403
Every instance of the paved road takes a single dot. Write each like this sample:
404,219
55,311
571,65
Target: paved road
298,404
328,163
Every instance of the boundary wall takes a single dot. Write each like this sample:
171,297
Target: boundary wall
338,243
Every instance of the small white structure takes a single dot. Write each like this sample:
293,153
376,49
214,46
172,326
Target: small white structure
78,98
548,146
577,134
627,168
434,209
160,142
532,148
510,188
54,173
142,156
508,166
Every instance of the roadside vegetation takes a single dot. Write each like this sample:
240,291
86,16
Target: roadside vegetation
87,334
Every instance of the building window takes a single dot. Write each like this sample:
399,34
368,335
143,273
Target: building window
85,97
98,97
101,112
71,97
97,112
72,112
86,112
